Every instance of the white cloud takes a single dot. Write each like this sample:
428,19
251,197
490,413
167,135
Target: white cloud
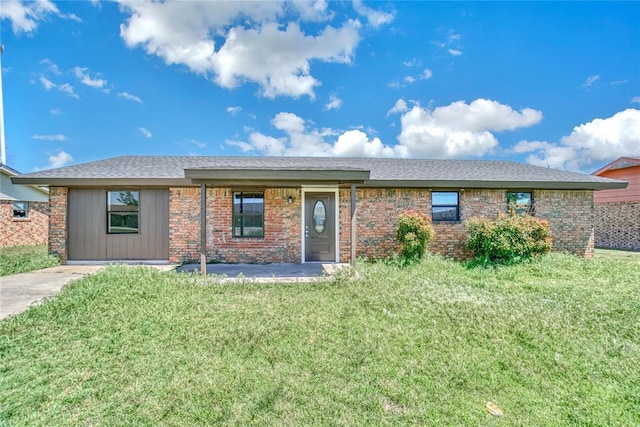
414,62
46,83
234,110
145,132
452,43
409,79
197,143
83,75
253,47
60,159
55,111
53,68
25,15
399,107
334,103
302,139
635,100
355,143
56,137
460,129
427,74
375,17
130,97
590,80
68,89
589,143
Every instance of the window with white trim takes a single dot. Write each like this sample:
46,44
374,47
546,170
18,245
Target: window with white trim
20,210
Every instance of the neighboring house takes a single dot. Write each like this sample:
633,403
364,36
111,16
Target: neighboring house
617,211
296,209
24,211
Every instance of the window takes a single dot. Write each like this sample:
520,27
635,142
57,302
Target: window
248,215
444,206
521,203
122,212
21,210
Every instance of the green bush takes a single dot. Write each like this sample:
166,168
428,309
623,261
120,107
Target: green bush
414,231
508,239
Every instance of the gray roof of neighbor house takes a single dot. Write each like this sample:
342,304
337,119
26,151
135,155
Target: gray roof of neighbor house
294,171
17,192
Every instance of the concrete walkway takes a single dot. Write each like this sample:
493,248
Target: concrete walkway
19,291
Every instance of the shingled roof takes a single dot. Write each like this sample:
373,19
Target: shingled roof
369,172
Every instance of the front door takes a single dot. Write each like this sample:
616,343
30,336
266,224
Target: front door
319,227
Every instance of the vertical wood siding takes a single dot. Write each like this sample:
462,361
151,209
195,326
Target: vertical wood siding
88,238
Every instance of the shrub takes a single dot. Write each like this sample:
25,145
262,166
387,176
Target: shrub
508,238
414,231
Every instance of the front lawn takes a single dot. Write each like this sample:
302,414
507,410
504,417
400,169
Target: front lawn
551,342
20,259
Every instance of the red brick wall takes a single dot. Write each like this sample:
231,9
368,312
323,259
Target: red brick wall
618,225
281,241
570,214
184,224
22,232
58,222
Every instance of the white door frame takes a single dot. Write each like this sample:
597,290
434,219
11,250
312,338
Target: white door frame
311,189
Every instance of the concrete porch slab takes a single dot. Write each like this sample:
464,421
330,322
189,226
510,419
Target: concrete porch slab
267,272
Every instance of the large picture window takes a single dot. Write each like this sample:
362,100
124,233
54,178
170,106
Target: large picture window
520,202
444,206
21,210
122,212
248,214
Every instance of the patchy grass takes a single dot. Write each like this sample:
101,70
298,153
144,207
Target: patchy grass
20,259
554,341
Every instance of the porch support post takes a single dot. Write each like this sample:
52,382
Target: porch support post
354,226
203,229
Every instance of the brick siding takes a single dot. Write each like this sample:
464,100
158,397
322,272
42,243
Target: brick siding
618,225
281,241
24,231
58,201
570,214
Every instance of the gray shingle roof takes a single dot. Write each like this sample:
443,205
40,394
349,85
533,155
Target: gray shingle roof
383,171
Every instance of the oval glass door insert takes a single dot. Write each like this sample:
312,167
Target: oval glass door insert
319,217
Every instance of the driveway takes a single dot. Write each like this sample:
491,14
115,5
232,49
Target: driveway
19,291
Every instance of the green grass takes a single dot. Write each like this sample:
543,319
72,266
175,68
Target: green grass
20,259
554,341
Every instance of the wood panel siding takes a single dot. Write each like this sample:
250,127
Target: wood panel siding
629,194
87,227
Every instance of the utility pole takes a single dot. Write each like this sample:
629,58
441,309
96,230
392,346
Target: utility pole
3,152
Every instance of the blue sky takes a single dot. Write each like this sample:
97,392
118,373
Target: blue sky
552,84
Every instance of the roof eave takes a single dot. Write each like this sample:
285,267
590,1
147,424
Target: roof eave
538,185
102,182
215,176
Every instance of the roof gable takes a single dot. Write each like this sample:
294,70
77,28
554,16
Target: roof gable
619,163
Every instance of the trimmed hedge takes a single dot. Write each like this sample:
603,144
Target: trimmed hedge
508,238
